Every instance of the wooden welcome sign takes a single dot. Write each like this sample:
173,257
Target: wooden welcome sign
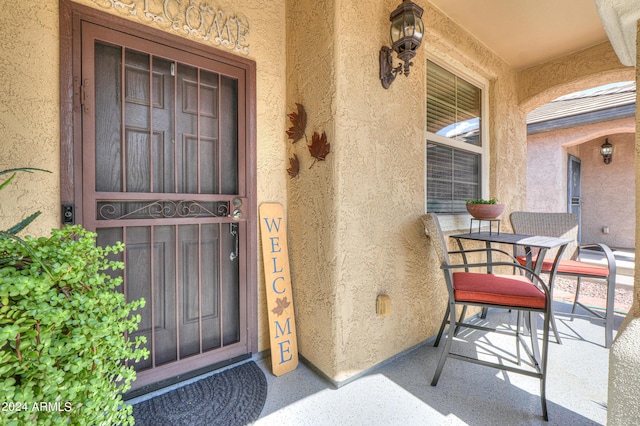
275,254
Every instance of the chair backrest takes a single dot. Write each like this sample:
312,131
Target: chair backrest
434,233
564,225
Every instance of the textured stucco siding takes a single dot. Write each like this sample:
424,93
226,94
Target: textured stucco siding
623,405
608,192
311,62
29,118
354,225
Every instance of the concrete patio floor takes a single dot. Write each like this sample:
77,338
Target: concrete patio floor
399,392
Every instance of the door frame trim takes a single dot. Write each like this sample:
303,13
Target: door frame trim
70,17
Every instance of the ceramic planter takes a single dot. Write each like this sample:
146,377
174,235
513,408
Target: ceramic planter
485,211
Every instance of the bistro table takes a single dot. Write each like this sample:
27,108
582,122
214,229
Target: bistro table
528,242
539,242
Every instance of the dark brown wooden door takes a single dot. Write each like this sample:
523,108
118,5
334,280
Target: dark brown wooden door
164,169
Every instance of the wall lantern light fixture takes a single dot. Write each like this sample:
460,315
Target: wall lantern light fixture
606,150
407,30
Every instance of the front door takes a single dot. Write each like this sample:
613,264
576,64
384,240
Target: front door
573,189
166,168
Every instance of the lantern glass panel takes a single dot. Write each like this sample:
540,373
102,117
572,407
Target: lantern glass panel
397,29
419,30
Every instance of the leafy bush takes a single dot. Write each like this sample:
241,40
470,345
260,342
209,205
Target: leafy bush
62,334
63,326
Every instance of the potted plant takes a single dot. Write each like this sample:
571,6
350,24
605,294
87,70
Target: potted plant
484,209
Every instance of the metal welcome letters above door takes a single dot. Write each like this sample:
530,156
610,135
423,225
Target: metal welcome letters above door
197,19
165,164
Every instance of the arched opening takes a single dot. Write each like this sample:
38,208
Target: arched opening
566,171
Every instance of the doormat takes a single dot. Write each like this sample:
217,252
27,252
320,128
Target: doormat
232,397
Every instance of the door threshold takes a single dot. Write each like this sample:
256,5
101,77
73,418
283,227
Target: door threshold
167,385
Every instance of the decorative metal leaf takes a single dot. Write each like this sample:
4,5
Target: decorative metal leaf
295,166
319,148
299,121
281,305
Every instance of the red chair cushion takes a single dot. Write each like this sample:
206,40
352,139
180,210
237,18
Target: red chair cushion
571,267
509,290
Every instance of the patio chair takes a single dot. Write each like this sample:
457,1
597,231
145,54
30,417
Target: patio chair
513,292
566,225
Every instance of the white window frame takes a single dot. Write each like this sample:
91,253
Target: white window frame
460,221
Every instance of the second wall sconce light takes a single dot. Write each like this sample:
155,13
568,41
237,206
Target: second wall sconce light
606,150
407,30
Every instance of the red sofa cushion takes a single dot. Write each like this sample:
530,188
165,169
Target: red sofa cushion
511,290
571,267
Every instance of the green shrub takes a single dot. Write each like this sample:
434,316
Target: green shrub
63,326
62,335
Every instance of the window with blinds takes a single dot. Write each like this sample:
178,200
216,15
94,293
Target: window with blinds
452,177
454,141
453,106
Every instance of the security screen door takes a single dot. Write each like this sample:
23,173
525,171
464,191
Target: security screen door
164,160
573,191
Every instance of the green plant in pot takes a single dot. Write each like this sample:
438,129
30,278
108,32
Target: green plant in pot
484,209
63,329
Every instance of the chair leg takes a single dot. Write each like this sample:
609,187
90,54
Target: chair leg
541,357
532,323
444,323
575,299
543,366
553,317
518,325
461,320
555,328
610,313
447,344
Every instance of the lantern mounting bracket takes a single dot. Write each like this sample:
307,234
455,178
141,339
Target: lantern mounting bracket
388,72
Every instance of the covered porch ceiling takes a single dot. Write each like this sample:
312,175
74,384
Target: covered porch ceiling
528,32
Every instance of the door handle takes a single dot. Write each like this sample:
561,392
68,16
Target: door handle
233,230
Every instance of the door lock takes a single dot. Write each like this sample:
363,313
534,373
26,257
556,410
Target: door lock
237,212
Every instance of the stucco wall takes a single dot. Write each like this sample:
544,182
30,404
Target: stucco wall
547,156
354,222
608,192
311,61
29,120
587,68
623,404
546,173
